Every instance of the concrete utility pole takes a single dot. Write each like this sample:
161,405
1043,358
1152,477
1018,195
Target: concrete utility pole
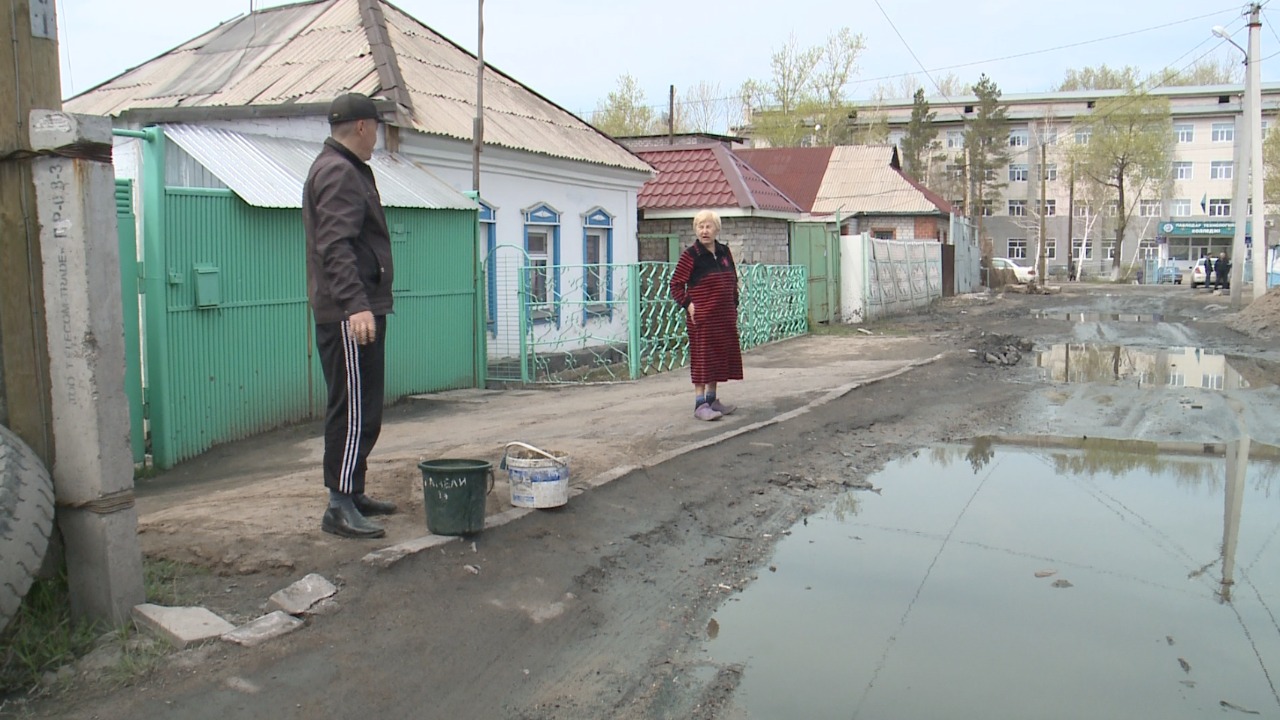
1241,208
28,79
93,461
1040,260
1254,81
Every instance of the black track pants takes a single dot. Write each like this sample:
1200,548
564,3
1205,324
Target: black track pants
355,376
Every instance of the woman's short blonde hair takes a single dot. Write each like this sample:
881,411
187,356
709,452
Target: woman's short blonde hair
706,215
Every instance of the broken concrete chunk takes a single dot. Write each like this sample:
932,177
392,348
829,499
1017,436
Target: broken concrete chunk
180,626
300,596
265,628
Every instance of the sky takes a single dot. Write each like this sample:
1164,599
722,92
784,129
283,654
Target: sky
574,51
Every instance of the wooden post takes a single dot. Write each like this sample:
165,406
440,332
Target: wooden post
28,79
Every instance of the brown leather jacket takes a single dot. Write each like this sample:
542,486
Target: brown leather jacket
349,266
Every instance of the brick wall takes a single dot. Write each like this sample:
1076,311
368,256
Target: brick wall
752,240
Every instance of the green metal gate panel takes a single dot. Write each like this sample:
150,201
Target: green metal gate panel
126,224
431,338
813,248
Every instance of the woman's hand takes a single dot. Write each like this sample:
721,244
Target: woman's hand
690,313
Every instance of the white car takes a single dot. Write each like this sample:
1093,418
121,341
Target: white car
1023,275
1202,274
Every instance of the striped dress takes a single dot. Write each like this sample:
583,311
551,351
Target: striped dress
710,282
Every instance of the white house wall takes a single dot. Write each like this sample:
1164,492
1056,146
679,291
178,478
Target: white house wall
512,182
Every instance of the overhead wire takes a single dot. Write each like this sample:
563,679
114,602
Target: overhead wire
1014,56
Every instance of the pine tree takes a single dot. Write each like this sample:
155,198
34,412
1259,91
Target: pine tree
921,139
986,148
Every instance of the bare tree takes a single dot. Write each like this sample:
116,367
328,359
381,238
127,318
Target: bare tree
705,108
793,73
838,64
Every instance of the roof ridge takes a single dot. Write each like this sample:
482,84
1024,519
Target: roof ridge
764,179
385,58
733,174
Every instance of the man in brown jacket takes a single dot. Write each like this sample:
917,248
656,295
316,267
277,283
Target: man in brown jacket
349,276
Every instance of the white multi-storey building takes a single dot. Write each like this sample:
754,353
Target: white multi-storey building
1192,218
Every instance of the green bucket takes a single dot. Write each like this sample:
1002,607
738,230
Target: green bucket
454,492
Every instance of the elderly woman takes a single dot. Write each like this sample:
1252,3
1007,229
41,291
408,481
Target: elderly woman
705,284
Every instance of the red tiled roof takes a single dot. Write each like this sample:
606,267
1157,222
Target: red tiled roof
706,176
798,172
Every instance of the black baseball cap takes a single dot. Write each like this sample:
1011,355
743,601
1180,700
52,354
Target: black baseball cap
352,106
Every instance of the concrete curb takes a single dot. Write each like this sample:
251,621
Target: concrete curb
388,556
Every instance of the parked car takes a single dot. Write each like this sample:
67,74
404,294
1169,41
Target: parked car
1202,273
1022,274
1170,274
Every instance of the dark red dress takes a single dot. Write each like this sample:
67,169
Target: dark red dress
710,282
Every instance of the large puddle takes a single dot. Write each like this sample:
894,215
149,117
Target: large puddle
1173,367
1002,582
1082,317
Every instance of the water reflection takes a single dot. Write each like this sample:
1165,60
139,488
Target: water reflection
1174,367
1096,317
946,582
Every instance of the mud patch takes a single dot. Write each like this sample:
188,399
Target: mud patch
1261,318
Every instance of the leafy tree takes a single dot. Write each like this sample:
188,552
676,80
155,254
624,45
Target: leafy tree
704,108
804,99
1128,154
921,139
624,112
1206,71
986,153
1271,164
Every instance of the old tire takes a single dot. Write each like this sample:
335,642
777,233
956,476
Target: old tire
26,521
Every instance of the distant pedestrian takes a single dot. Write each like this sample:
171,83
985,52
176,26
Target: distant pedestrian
705,284
1222,272
349,275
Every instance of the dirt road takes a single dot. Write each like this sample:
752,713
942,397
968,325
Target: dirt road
598,610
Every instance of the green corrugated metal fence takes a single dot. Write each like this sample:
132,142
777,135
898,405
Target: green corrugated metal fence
231,347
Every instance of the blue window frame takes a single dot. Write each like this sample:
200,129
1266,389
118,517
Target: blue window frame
542,246
489,236
597,261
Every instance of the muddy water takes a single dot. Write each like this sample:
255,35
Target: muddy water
1173,367
1013,583
1081,317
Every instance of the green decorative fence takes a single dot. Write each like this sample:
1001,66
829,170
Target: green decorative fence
618,322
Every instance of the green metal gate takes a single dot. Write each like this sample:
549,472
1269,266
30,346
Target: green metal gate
815,247
126,223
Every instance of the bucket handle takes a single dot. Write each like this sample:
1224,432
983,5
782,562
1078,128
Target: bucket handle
491,480
543,453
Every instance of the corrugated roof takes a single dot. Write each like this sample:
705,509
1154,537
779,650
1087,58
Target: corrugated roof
310,52
706,176
861,179
270,171
798,172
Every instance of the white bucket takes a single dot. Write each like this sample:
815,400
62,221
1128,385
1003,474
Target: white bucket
538,479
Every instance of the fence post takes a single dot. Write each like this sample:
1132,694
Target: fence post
633,320
522,299
155,297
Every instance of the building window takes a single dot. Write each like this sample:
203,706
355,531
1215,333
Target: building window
1083,136
1113,208
1051,172
1185,133
1149,208
1076,246
1050,207
955,139
990,174
1017,249
542,246
1224,132
1109,250
1049,135
597,256
1017,208
1019,138
1180,207
1051,249
882,233
955,172
988,208
1221,169
1018,172
1182,170
1149,249
1081,209
958,206
1220,207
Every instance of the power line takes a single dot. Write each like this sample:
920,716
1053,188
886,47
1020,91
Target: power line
1002,58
